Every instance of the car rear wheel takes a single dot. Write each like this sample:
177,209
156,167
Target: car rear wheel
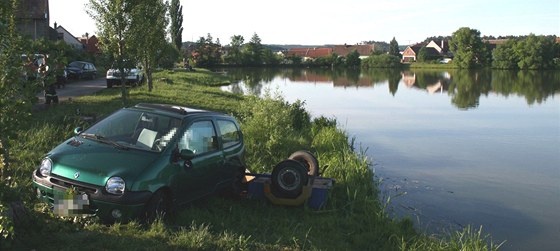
288,178
308,160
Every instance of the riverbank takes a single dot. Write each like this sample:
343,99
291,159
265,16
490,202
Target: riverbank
354,218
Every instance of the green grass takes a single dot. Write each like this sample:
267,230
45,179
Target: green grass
353,219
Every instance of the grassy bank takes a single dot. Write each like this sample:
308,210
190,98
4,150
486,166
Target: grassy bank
353,218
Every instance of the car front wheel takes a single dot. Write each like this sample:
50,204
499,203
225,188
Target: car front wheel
158,206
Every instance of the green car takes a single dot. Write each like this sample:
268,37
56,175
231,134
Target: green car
141,161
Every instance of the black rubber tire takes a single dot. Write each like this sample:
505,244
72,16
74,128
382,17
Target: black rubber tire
109,83
308,160
288,178
158,205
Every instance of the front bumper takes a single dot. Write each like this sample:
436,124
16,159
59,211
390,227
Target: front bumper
130,205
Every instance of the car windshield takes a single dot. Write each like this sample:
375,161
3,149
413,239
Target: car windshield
77,64
135,129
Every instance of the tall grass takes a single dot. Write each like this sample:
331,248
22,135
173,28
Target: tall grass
353,218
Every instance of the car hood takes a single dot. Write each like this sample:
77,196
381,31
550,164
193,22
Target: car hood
96,162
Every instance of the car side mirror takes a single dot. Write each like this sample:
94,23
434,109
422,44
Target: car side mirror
78,130
187,154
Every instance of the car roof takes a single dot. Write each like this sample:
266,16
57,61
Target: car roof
174,110
83,62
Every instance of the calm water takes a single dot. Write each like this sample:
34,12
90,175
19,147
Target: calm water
451,148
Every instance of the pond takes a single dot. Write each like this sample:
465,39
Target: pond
450,148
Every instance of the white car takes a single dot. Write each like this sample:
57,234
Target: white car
134,76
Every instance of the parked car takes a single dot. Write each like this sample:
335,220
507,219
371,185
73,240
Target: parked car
134,76
140,161
81,70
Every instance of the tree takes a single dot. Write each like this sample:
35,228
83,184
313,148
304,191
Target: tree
353,59
149,37
468,49
504,56
394,48
254,51
114,20
535,52
422,55
207,52
234,55
176,28
531,52
18,94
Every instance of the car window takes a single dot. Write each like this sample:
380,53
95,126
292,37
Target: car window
77,65
229,133
135,127
200,138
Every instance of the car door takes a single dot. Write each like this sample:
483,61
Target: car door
198,175
231,139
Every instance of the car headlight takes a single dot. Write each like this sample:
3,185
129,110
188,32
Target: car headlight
46,167
115,185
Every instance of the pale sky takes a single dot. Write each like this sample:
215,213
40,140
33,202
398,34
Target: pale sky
318,22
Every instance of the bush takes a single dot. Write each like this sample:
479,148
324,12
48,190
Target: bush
381,61
276,129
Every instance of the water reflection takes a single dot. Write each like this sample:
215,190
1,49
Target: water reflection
495,165
465,87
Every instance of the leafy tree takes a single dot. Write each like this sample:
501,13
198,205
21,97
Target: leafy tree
114,21
530,52
234,55
504,56
176,27
207,53
149,37
535,52
168,57
270,58
254,51
16,102
353,59
18,94
468,49
422,55
394,48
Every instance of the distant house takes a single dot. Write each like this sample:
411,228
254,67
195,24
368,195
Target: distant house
364,50
442,46
68,38
90,43
32,20
340,50
433,49
309,53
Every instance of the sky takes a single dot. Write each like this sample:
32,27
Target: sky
319,22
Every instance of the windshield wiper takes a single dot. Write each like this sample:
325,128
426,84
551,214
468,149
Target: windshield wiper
91,136
103,140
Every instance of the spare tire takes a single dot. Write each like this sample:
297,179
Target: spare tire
308,160
288,179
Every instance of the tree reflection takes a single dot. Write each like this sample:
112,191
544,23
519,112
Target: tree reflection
465,87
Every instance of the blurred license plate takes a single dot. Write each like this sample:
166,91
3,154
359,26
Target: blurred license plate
71,204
